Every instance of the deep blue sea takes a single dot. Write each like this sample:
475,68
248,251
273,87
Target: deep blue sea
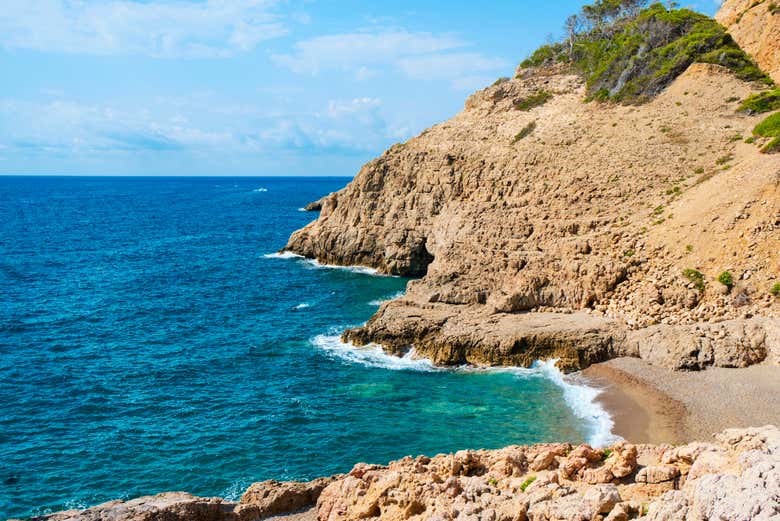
150,341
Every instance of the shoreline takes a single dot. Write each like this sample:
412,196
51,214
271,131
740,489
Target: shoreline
650,404
640,412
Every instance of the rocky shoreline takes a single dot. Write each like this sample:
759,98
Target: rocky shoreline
736,477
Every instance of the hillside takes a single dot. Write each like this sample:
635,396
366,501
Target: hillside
547,226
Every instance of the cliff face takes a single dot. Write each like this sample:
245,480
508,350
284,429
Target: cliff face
756,28
566,206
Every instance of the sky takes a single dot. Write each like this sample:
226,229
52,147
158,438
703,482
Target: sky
246,87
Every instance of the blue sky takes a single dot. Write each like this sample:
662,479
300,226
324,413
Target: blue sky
245,87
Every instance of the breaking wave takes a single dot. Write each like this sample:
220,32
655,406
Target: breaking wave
579,397
371,356
313,263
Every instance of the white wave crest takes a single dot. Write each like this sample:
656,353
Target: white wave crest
303,305
365,270
379,302
261,189
582,400
371,356
282,255
579,397
313,263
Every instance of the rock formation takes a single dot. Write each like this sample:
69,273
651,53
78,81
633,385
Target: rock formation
260,501
735,478
623,215
755,25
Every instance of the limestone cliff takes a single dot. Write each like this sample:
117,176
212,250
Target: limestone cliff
755,25
568,206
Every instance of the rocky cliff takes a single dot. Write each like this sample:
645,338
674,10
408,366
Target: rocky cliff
542,225
755,25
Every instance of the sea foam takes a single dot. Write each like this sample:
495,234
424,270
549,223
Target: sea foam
282,255
582,400
579,397
371,356
313,263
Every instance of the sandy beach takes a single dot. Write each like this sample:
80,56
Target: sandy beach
654,405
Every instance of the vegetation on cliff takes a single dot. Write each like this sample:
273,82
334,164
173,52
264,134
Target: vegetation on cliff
770,128
629,53
761,102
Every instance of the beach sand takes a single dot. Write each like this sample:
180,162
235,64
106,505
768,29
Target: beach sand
306,515
655,405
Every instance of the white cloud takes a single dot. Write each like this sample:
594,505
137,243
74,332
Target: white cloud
337,109
448,66
350,126
165,28
76,127
196,123
356,50
415,55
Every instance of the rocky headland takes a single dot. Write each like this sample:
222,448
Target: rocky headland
622,218
544,226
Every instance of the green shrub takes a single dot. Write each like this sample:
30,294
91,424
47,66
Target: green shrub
696,277
545,55
633,55
775,290
689,248
533,101
774,8
726,279
607,453
770,127
761,102
525,132
527,482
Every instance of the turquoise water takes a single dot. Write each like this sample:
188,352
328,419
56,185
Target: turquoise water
149,342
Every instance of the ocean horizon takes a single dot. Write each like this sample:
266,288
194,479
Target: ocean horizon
154,339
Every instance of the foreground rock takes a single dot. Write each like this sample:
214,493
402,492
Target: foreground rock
735,478
260,501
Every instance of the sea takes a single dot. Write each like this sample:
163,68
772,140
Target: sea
153,339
